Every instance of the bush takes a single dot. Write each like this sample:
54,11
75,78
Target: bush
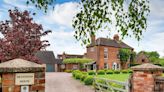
88,80
68,71
125,71
83,77
78,76
130,71
91,72
109,72
101,72
75,72
117,72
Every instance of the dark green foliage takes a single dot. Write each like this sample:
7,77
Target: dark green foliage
124,55
116,72
77,60
83,77
124,71
41,4
130,71
75,72
88,80
109,72
100,72
91,72
78,76
68,71
130,17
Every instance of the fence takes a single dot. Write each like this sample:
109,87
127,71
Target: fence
106,85
159,84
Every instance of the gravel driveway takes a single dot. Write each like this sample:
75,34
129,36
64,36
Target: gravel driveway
63,82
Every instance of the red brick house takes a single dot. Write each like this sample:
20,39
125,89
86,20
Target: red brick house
105,52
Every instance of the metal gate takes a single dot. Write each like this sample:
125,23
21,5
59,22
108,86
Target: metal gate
159,84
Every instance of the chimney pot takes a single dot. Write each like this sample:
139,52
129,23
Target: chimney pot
116,37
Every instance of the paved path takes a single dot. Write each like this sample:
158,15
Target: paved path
63,82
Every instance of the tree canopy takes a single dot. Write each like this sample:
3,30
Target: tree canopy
128,16
77,60
21,37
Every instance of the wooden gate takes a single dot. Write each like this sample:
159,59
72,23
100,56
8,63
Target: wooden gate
106,85
159,84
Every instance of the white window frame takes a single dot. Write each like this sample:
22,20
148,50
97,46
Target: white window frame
106,53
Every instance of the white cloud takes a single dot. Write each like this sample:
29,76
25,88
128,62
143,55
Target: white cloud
63,41
62,14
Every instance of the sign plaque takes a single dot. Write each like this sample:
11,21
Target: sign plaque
24,78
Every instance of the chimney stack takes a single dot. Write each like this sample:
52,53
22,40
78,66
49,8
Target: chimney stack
116,37
93,38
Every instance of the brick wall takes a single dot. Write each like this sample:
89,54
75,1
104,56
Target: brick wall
8,83
98,55
70,66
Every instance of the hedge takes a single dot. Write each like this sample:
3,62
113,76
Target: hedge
88,80
100,72
91,72
109,72
77,60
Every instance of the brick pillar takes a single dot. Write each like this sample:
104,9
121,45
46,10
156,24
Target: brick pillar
143,77
9,70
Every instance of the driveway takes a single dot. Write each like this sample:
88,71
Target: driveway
63,82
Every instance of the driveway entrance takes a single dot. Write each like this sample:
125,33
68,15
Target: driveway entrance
63,82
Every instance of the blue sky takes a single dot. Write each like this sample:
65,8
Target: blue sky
59,21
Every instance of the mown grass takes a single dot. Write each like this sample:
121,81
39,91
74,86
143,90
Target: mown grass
118,77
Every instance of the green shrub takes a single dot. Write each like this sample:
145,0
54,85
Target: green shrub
130,71
83,77
88,80
78,76
84,73
68,71
91,72
75,72
125,71
117,72
101,72
109,72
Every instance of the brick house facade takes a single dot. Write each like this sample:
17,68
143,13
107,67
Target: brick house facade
104,51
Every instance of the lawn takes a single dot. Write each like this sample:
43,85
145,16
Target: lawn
119,77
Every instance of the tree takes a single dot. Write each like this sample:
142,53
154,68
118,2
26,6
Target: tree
41,4
128,16
124,56
21,37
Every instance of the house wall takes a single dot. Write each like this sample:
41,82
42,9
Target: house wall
70,66
112,56
98,56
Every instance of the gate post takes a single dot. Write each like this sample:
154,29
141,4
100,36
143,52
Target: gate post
143,77
19,75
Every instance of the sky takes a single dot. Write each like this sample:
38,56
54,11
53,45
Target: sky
59,21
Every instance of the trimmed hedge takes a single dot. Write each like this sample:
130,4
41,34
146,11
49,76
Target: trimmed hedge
116,72
88,80
83,77
78,76
100,72
124,71
91,72
68,71
109,72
